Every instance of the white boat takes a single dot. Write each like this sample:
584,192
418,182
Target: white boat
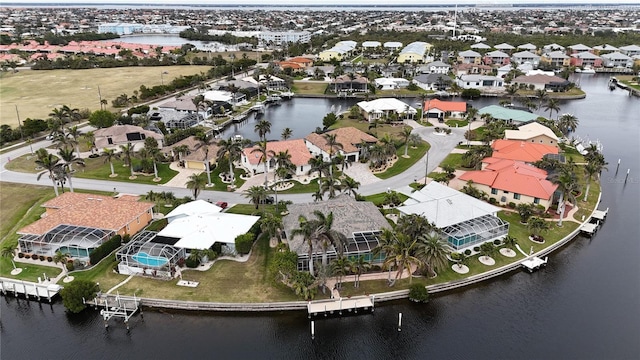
588,71
286,94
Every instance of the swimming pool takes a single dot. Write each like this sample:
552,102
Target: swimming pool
75,252
149,260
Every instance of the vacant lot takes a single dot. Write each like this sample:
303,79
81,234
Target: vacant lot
37,92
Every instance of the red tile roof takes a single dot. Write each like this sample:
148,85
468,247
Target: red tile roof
349,137
515,177
300,155
459,106
521,150
90,210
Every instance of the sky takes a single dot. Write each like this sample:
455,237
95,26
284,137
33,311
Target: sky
322,2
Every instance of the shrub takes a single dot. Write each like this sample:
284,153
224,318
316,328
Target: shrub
34,257
467,252
70,266
126,238
191,262
20,255
105,249
476,248
41,257
455,256
244,243
493,201
418,293
497,242
512,205
73,294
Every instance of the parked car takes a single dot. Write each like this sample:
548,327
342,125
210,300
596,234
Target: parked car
222,204
268,200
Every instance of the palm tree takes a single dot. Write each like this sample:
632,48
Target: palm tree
263,127
340,267
330,185
8,251
406,134
109,156
399,252
181,150
127,152
232,149
271,226
317,196
487,250
552,105
511,90
50,163
256,194
62,258
541,95
525,210
317,164
206,140
359,265
333,145
261,149
90,138
349,185
195,183
286,133
510,241
567,123
567,184
319,232
432,251
537,226
592,169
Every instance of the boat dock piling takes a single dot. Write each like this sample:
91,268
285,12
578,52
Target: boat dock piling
597,218
333,306
116,306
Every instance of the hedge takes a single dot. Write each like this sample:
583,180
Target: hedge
105,249
244,243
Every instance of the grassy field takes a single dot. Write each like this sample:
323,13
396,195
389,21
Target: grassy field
36,93
402,164
309,88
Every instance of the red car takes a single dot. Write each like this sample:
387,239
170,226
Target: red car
222,204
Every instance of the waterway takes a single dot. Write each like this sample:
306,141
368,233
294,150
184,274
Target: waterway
584,305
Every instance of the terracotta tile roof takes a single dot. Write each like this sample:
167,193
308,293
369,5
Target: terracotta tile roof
515,177
300,155
349,137
290,64
90,210
459,106
301,60
521,150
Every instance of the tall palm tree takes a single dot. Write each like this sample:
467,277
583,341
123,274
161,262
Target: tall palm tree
271,226
181,150
286,133
127,151
317,196
263,127
432,251
8,251
232,149
552,105
195,183
567,123
256,194
75,133
334,145
317,164
542,96
340,267
567,185
110,155
50,163
68,157
405,135
400,253
330,185
349,185
264,154
206,140
591,170
359,265
90,139
319,232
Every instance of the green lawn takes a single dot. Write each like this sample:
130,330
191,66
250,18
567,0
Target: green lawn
98,169
299,188
457,123
250,209
378,199
309,88
102,273
454,160
402,164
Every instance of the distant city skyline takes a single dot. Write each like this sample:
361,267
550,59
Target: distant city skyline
323,2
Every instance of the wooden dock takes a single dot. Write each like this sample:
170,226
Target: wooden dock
338,306
29,289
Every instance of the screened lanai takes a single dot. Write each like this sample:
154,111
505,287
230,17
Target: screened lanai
359,244
475,231
76,241
150,254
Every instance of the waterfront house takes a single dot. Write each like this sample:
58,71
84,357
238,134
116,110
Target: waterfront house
630,50
435,67
472,69
116,135
533,132
385,83
300,156
432,81
540,82
464,221
509,115
344,83
482,82
77,223
509,181
616,59
524,151
354,143
359,221
386,108
603,49
435,108
583,59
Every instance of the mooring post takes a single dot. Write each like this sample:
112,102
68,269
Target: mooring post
627,177
313,330
618,167
399,321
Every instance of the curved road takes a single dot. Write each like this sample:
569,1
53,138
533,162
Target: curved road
441,146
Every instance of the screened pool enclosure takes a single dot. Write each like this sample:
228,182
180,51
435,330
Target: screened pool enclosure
475,231
150,254
76,241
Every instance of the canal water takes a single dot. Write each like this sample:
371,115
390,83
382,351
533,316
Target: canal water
584,305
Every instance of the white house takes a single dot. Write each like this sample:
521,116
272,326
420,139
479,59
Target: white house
479,82
526,57
436,67
391,83
616,59
386,107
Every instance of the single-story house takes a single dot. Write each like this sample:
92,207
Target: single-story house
480,82
533,132
414,53
385,83
511,181
352,141
556,59
200,156
344,83
300,156
521,150
116,135
359,221
541,82
386,108
433,81
77,223
191,143
435,108
464,221
338,51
